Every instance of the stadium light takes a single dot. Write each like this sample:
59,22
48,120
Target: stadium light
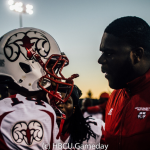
20,8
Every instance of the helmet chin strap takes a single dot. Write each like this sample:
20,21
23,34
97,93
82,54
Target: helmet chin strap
63,116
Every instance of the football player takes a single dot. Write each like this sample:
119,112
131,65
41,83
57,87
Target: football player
30,67
78,132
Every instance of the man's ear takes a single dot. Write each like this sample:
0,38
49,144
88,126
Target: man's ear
138,54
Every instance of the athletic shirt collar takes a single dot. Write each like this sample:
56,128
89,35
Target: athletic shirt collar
138,84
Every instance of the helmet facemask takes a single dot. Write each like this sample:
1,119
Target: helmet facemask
53,68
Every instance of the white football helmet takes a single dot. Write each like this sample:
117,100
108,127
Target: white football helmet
25,54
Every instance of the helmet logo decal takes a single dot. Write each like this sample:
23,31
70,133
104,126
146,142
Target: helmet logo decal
26,42
21,42
28,133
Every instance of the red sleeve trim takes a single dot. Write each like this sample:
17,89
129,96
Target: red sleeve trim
51,115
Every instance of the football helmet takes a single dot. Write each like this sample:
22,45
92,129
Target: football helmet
32,58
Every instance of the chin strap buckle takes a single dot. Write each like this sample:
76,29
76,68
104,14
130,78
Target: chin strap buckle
61,125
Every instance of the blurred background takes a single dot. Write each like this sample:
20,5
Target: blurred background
77,26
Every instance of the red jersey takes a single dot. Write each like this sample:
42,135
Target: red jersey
127,122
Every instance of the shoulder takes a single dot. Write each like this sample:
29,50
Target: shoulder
115,93
96,125
86,114
17,101
113,96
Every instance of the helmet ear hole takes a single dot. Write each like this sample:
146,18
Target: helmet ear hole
25,67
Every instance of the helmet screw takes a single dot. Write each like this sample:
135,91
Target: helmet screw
29,84
20,80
